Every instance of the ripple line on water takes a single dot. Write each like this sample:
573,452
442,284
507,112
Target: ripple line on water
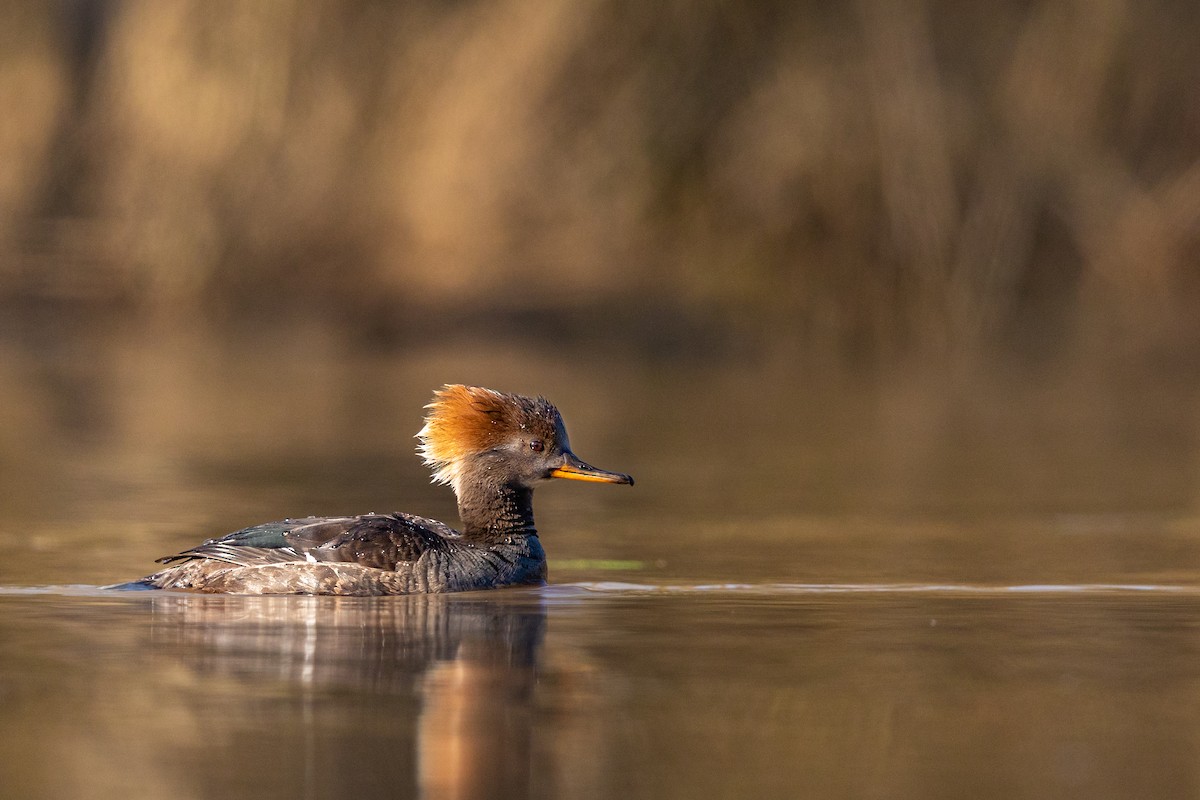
888,588
564,590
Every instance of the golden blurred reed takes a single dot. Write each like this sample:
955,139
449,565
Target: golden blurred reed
872,177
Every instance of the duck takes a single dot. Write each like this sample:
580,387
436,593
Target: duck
491,448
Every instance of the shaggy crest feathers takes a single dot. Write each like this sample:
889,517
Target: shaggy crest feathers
464,420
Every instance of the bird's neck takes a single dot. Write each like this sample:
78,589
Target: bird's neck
495,512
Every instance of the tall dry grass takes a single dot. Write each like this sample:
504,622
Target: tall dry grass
870,177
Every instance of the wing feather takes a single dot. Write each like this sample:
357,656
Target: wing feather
372,540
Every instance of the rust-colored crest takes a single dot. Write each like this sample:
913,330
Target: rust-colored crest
463,420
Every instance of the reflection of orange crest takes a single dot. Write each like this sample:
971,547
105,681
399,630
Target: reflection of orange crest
463,420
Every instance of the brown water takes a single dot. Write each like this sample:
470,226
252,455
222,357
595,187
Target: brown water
902,586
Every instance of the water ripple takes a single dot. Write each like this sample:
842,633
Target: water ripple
886,588
583,588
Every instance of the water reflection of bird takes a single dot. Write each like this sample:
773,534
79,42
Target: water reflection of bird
449,684
335,644
491,448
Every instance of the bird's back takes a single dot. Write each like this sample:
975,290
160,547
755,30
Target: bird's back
370,554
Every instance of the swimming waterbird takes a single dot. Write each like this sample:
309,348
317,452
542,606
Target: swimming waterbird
491,448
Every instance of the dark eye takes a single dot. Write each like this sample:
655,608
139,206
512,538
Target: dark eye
536,445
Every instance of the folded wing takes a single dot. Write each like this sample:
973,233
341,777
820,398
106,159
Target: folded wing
380,541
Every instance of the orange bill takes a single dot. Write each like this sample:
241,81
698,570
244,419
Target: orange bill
575,470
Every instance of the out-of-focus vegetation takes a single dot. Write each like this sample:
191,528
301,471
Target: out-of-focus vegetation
871,177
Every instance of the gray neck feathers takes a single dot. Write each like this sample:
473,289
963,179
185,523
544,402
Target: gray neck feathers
493,510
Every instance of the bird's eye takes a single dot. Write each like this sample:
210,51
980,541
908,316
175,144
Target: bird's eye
536,445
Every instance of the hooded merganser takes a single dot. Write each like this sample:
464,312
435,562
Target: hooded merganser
492,448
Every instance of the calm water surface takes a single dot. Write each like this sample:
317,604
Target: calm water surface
818,587
578,691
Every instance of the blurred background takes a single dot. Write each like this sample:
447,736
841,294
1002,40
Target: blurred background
862,293
929,258
868,178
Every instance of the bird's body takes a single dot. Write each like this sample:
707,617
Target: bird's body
490,447
371,554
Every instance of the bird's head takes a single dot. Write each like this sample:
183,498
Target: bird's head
472,433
